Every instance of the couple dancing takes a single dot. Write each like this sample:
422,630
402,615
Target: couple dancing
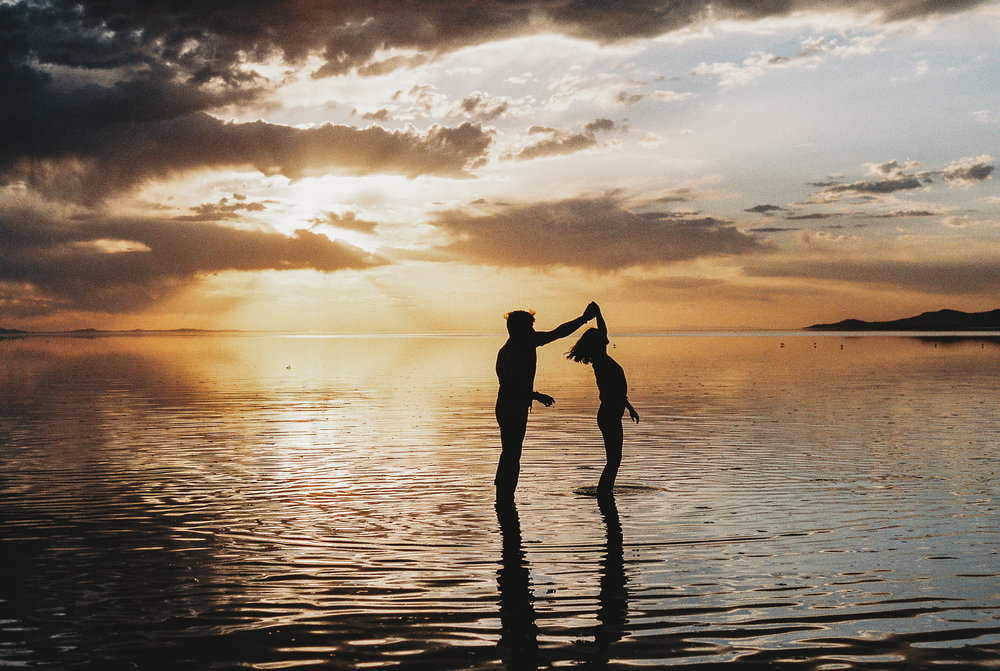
516,372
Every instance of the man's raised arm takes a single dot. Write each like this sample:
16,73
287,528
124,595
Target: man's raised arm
563,330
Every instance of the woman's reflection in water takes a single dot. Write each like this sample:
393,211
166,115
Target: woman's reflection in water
518,629
613,609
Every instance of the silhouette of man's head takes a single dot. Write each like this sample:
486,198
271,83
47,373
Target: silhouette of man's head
520,322
591,345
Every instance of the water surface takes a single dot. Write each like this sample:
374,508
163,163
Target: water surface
260,501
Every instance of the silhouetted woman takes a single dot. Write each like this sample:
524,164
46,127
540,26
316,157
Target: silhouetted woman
592,348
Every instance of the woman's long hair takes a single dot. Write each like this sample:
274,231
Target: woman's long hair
590,345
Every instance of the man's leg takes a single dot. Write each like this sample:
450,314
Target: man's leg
512,429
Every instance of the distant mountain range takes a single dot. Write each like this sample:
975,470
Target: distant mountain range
942,320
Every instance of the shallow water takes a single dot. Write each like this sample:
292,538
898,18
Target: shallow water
197,502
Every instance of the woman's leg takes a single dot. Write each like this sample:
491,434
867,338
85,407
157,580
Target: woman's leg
610,424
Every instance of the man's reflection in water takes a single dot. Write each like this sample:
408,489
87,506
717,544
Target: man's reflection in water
613,609
518,629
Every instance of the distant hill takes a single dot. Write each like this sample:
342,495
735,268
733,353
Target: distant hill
942,320
4,332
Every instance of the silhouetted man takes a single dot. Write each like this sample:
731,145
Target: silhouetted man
516,372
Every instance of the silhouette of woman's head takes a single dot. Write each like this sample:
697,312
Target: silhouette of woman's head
591,345
520,322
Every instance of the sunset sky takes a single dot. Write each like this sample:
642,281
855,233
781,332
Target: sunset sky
427,166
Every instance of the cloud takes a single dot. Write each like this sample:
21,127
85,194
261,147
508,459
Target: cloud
892,176
563,142
603,125
759,63
221,210
97,163
963,221
558,144
920,69
608,90
765,209
378,115
813,215
348,221
482,106
115,264
773,229
887,178
901,214
204,41
100,95
732,74
985,117
879,186
822,240
970,170
678,195
599,233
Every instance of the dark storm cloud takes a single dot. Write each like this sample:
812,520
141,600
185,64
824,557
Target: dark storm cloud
94,164
599,233
206,40
126,265
119,82
948,277
101,96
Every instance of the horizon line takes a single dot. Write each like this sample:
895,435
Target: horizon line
718,331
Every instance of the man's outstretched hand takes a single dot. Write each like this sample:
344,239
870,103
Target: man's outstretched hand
544,399
592,311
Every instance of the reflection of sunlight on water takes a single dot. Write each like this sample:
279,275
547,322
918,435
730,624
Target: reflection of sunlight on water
278,501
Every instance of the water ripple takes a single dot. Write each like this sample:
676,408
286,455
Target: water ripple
196,504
